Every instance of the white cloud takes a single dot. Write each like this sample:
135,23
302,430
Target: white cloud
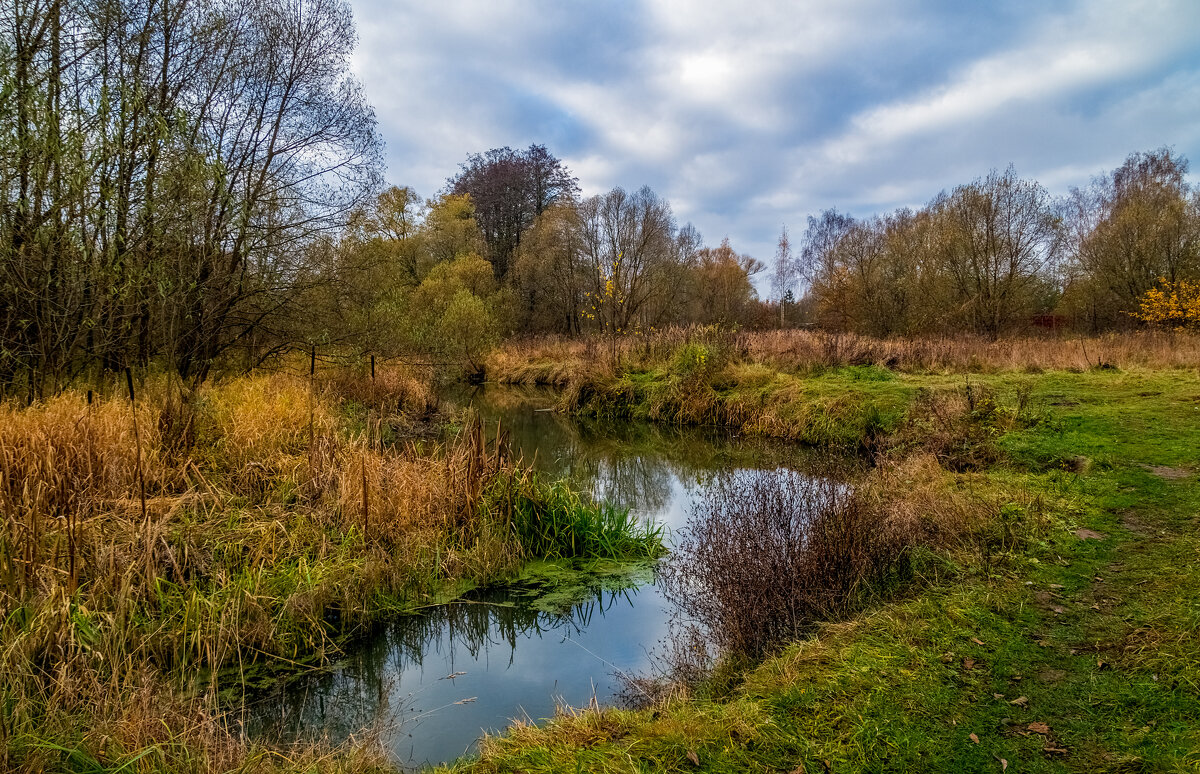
749,116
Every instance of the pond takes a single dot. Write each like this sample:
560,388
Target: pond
430,685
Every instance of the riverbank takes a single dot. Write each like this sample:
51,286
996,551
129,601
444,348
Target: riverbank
1057,636
159,554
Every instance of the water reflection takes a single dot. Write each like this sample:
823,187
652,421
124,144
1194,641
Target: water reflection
653,469
429,685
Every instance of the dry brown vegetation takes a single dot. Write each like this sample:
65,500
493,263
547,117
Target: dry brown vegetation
257,541
556,361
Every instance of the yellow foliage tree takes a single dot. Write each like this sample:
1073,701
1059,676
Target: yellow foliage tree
1171,305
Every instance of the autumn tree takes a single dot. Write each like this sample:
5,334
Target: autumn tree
994,240
628,244
549,274
1131,229
509,190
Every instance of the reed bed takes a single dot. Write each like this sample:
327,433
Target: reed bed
550,519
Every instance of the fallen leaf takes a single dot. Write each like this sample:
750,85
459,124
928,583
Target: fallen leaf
976,640
1057,586
968,663
1088,534
974,738
1020,701
693,757
1100,664
1049,748
997,696
1038,727
1003,762
1058,610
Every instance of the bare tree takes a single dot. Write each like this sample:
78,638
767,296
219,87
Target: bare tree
783,272
995,239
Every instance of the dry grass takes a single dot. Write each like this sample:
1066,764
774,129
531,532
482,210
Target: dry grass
271,528
280,515
558,361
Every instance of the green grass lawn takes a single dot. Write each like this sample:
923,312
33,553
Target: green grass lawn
1080,652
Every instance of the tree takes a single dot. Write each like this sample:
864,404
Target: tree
995,237
726,294
509,189
782,272
820,267
628,243
1129,230
549,273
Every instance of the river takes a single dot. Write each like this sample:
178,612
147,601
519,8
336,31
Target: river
428,686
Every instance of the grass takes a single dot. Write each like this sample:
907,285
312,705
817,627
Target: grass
277,522
1049,626
549,519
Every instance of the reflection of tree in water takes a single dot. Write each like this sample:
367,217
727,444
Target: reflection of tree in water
628,463
365,691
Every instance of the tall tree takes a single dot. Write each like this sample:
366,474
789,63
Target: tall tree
783,271
509,189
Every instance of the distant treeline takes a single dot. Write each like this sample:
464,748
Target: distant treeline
1000,254
197,184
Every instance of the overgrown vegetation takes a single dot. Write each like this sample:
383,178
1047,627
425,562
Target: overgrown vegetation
770,553
146,568
1047,520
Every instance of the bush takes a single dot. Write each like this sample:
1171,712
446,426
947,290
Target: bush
769,553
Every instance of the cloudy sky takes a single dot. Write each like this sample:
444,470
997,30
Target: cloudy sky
751,115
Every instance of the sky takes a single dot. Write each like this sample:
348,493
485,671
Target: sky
750,116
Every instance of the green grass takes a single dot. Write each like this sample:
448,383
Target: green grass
550,520
1094,638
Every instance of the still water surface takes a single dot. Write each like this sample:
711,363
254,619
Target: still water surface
431,685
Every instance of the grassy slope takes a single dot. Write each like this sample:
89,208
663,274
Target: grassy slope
1094,638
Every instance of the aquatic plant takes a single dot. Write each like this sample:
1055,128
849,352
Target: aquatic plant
550,519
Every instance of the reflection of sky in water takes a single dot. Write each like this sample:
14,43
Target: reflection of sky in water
507,666
517,662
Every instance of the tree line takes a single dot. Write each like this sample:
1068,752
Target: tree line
509,247
194,184
999,254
